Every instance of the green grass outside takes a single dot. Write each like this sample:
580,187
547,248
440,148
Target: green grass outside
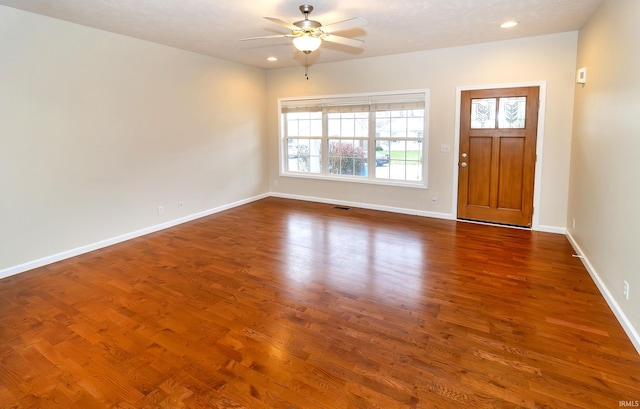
398,157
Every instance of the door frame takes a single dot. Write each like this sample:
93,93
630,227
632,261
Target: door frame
535,222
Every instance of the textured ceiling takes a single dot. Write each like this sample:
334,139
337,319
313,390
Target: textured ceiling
214,27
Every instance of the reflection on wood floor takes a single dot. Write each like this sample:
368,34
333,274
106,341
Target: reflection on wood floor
289,304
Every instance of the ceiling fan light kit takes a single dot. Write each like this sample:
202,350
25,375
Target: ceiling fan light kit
308,35
307,43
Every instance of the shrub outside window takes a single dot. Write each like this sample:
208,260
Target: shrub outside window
370,138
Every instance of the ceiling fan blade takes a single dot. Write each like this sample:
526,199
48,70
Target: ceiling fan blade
265,37
345,25
283,23
351,42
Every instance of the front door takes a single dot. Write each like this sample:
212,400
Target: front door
498,129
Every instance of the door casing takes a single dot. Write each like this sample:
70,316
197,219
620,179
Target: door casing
535,222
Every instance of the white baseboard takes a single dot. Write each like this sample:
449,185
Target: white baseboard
401,210
615,307
118,239
550,229
128,236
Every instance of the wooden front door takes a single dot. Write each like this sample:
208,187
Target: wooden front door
498,129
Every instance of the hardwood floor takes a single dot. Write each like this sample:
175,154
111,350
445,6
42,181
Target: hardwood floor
289,304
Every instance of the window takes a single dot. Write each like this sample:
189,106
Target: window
363,138
511,113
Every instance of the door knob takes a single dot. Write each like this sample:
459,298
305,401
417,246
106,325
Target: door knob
464,155
463,164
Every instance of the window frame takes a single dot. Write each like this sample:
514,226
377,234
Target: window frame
372,138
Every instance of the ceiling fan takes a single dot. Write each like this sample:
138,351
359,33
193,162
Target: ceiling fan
308,35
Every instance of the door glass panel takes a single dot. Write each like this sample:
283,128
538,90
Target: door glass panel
512,112
483,113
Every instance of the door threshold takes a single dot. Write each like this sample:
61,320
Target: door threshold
511,226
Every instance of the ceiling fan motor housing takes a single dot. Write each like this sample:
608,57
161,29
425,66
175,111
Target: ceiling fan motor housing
306,24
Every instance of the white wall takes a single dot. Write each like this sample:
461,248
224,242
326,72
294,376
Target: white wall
97,130
547,58
604,187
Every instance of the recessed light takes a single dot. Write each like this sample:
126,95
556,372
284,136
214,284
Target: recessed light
272,59
509,24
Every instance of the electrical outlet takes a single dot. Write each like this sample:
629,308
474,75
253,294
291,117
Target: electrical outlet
573,223
434,199
625,291
180,205
160,210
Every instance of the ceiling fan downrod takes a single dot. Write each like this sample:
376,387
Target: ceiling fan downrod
306,9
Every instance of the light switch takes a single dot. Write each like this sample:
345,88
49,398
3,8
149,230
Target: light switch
582,75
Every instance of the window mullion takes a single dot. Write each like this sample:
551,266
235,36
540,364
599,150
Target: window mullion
284,143
325,144
371,166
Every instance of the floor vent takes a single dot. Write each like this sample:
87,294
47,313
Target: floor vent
342,207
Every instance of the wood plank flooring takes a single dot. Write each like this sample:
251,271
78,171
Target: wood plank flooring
289,304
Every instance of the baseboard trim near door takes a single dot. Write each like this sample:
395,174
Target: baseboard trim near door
413,212
544,229
606,294
392,209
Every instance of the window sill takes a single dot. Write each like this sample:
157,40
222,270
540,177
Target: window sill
366,181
